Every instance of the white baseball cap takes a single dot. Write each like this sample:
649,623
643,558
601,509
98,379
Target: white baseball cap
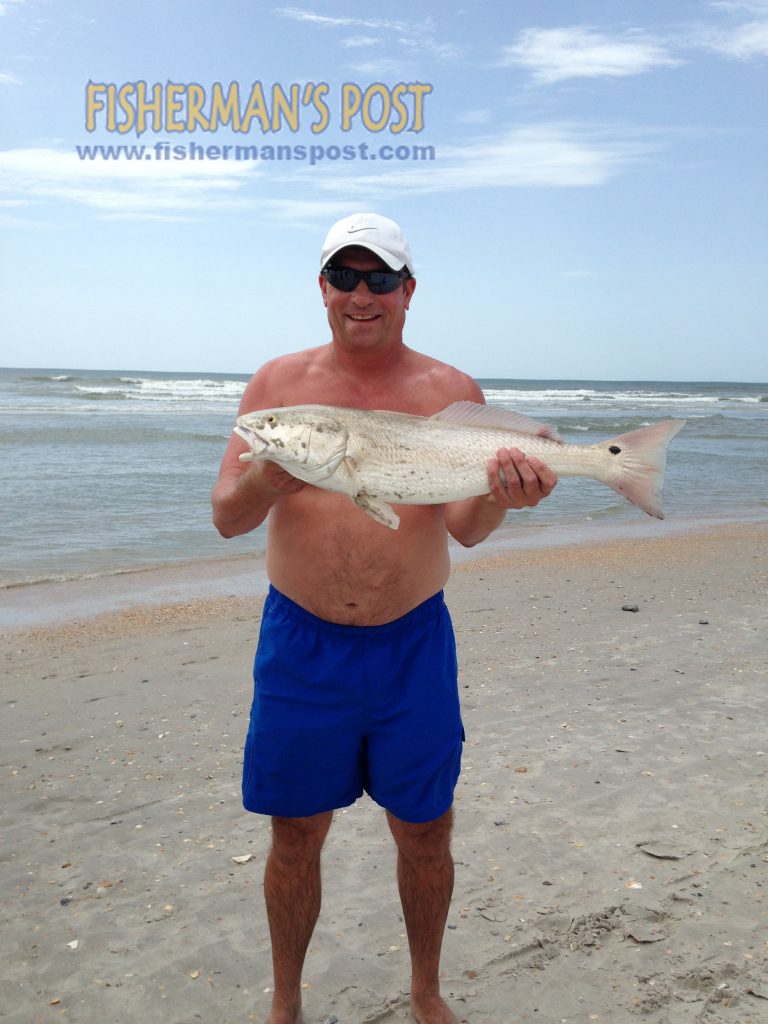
369,231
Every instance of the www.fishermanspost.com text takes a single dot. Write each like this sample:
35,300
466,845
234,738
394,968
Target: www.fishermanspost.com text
311,154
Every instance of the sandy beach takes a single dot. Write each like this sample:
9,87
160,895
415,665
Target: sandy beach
611,837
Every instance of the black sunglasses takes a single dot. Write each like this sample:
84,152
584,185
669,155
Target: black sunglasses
380,282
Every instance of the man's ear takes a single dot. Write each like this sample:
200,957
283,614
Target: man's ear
323,289
409,287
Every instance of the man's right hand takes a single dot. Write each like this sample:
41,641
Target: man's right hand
278,480
245,492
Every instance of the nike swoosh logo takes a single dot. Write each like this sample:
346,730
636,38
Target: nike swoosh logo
365,227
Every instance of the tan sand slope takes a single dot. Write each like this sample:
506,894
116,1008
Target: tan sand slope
612,818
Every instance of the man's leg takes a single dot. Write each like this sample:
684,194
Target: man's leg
425,879
292,894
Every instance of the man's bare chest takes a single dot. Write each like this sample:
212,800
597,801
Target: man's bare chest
411,396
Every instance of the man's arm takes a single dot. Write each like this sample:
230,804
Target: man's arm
246,491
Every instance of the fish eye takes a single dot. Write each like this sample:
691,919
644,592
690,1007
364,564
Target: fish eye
272,420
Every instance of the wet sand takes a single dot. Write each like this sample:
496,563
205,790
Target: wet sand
611,837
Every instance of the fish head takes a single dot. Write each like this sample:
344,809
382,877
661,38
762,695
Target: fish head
306,440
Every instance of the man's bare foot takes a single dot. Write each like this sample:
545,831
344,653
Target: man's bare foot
283,1016
431,1010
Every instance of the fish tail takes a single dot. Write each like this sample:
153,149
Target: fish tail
640,462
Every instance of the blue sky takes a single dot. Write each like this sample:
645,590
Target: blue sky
596,205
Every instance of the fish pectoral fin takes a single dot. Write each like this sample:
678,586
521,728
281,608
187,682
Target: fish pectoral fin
351,467
374,507
475,414
377,509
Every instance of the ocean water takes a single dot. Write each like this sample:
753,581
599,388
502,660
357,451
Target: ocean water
106,471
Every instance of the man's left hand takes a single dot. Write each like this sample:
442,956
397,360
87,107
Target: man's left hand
517,480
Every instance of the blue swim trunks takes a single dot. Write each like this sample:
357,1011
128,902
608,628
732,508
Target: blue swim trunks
338,710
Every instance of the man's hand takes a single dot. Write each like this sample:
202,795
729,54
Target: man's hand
517,480
277,480
245,492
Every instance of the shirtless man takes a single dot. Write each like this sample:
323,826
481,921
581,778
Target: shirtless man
355,669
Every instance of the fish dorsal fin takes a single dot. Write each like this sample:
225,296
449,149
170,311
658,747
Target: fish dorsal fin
477,415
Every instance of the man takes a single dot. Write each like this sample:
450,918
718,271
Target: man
355,671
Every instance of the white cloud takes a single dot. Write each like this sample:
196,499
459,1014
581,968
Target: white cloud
750,6
356,42
580,275
425,45
8,5
379,68
8,78
127,190
555,155
475,117
121,185
140,215
741,42
297,14
62,165
557,54
416,36
535,156
304,212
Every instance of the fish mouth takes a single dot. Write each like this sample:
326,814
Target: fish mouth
255,442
